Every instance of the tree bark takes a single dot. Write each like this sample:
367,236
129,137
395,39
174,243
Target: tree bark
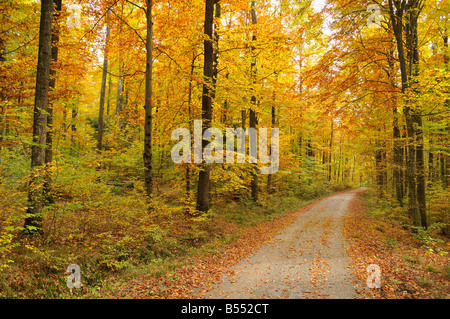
331,151
396,135
253,120
103,89
33,219
398,159
147,156
119,80
52,83
444,166
203,195
417,117
189,105
3,52
273,124
108,100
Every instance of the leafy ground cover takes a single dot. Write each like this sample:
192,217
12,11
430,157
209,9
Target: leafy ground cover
127,247
413,265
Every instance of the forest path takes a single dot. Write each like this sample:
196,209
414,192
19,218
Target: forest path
306,260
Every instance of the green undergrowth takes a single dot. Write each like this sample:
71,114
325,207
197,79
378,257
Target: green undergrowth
434,237
101,221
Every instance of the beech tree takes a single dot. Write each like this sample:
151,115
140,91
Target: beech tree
52,83
203,196
33,220
101,109
404,16
148,101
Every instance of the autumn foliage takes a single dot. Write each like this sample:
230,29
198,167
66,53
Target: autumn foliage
86,175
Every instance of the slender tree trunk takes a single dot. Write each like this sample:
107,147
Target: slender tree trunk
33,220
431,174
331,151
189,104
410,170
3,107
273,124
119,88
418,119
421,173
103,88
147,156
203,187
243,118
225,106
253,120
119,80
398,159
396,135
445,167
217,13
108,101
52,82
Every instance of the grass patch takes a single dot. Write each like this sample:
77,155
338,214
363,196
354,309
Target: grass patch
432,268
424,282
390,243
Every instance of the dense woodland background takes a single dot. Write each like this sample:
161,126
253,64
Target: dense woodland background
90,94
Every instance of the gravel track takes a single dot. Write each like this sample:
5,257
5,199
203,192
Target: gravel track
306,260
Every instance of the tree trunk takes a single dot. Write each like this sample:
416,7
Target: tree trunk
217,13
421,173
119,88
445,167
3,52
189,105
108,102
417,118
147,156
396,136
119,80
379,168
331,151
253,120
203,186
33,219
243,118
273,122
52,82
398,159
225,106
103,89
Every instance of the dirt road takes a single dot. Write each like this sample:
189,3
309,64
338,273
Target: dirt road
306,260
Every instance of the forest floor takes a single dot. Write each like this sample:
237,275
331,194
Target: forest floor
286,246
320,251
